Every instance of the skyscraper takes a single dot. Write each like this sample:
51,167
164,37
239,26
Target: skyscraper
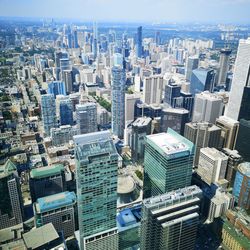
224,65
96,177
86,117
66,112
152,89
169,221
207,107
118,101
168,163
67,77
56,88
172,91
130,101
240,79
201,80
192,63
139,42
11,206
202,135
48,106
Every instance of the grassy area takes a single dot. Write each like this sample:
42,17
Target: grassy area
105,104
139,174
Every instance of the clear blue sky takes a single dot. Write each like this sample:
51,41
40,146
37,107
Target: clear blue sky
234,11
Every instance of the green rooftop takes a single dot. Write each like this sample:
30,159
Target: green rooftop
8,167
239,237
43,172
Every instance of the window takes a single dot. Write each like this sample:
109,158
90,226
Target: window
66,218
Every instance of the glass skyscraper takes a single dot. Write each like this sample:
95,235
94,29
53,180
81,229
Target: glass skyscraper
168,162
56,88
139,42
48,106
66,112
118,101
96,177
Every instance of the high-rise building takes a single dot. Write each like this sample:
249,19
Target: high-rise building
66,112
152,89
58,209
240,79
140,128
86,117
170,221
174,118
130,101
207,107
229,131
48,107
234,159
139,42
192,64
67,77
201,80
172,91
118,59
212,165
11,205
241,189
202,135
168,163
96,176
224,65
63,134
56,88
46,181
118,101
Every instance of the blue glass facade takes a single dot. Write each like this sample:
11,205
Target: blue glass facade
66,112
56,88
139,42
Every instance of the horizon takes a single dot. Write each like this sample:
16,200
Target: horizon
142,11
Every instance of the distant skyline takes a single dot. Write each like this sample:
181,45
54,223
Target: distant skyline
209,11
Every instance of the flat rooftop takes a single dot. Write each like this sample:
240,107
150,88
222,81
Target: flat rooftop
142,121
44,172
171,143
55,201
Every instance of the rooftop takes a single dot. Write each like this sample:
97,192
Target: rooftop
244,168
38,237
171,196
142,121
213,153
55,201
44,172
125,184
171,143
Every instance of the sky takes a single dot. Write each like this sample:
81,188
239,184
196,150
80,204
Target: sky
209,11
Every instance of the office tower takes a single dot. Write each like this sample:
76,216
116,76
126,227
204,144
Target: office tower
229,131
63,134
75,38
96,178
130,101
201,80
212,165
244,126
202,135
102,117
158,38
207,107
138,45
56,88
241,189
174,118
118,101
11,205
140,128
46,181
170,221
118,59
67,77
48,107
219,204
224,65
240,79
192,64
64,64
66,112
95,40
172,91
152,89
234,159
86,117
168,163
57,209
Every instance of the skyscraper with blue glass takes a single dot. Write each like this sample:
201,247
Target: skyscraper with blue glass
96,177
139,42
56,88
118,101
48,107
66,112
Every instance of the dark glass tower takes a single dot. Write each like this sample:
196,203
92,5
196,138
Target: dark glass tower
139,42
